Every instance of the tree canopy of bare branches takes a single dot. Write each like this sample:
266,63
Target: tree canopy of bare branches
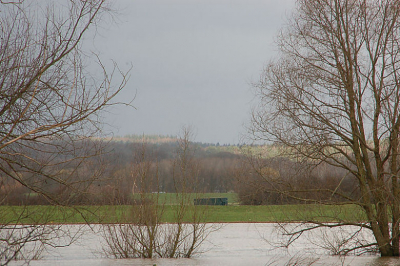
333,96
146,236
49,101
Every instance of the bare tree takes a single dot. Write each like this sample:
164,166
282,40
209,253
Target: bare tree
333,96
138,233
141,233
187,236
49,105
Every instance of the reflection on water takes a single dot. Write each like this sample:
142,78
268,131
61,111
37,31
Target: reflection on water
233,244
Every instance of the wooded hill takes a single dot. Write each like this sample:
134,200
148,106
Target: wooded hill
133,164
114,171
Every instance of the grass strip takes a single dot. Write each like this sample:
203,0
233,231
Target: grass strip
220,214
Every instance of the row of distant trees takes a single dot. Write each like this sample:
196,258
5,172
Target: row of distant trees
279,180
115,182
251,177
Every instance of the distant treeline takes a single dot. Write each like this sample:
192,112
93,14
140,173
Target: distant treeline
159,138
147,138
114,181
279,180
114,171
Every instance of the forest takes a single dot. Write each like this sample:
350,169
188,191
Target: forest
215,169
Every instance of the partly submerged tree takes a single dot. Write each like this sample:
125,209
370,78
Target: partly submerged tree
141,231
49,106
333,96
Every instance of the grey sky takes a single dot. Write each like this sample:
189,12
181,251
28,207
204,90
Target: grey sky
193,63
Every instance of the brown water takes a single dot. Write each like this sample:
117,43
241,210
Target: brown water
232,244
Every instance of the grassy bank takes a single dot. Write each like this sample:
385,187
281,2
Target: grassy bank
167,203
225,214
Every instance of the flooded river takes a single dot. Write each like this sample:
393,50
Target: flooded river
232,244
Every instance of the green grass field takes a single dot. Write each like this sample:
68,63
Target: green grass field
223,214
168,204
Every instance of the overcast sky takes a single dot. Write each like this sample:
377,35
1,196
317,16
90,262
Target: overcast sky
193,63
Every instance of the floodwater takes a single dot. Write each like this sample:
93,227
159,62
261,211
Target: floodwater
231,244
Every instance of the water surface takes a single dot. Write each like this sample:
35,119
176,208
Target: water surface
232,244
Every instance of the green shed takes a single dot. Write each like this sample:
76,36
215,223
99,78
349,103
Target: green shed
211,201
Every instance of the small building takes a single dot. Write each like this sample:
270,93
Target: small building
211,201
